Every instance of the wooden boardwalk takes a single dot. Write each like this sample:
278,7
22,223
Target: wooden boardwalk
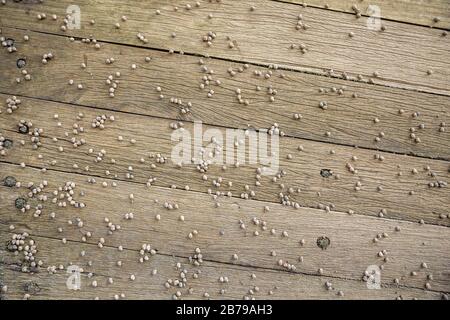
362,112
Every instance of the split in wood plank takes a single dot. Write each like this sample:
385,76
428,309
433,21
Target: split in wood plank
394,186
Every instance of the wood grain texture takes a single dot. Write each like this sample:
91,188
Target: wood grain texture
401,55
350,252
283,285
349,120
410,11
406,196
363,172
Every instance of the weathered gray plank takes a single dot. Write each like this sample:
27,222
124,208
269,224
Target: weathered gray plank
433,13
350,252
401,55
270,284
349,120
389,185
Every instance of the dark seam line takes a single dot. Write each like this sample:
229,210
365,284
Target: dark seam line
392,83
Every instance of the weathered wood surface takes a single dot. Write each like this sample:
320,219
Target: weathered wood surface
406,196
283,285
270,284
410,11
400,98
264,36
350,252
349,120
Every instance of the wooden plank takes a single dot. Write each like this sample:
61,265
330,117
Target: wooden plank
282,285
410,11
400,56
350,251
350,121
389,185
